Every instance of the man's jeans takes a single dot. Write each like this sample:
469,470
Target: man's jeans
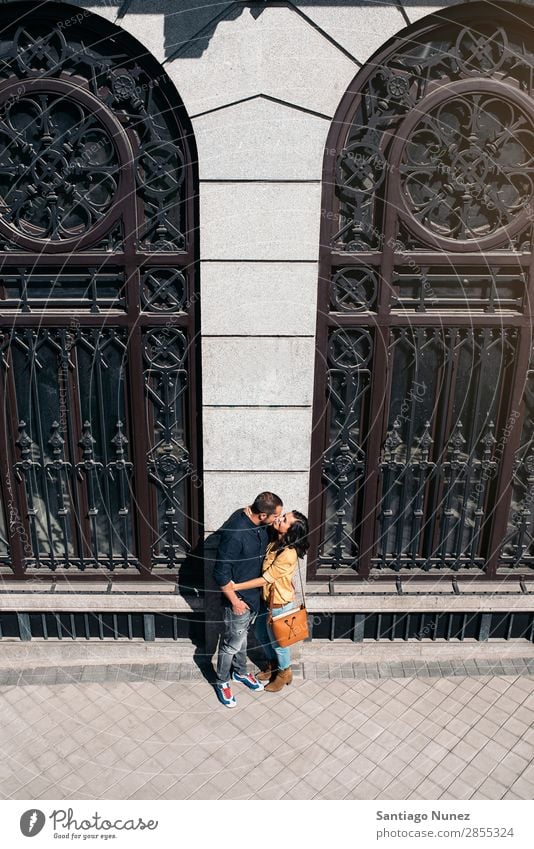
281,656
233,646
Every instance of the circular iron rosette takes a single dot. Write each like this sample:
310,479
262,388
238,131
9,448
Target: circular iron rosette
361,168
350,348
165,349
65,165
463,166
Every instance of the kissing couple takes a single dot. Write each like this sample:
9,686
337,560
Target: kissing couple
257,559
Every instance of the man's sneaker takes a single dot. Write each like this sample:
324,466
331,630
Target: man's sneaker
248,680
224,694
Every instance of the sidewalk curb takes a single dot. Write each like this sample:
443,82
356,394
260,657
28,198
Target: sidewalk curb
110,673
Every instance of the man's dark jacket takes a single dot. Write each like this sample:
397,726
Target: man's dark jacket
240,555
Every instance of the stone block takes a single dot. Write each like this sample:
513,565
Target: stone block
149,29
260,221
260,139
360,28
257,371
271,51
244,439
259,299
415,10
225,492
181,23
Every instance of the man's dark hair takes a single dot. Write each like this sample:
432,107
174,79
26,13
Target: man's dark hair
265,502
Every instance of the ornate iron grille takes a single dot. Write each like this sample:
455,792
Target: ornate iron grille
518,545
98,245
422,448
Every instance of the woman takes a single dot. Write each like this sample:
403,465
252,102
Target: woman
280,564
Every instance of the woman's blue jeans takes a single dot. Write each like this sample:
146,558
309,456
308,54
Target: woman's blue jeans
274,652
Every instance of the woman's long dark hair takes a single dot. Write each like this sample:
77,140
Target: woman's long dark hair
297,535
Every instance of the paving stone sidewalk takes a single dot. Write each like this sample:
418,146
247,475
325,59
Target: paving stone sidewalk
388,737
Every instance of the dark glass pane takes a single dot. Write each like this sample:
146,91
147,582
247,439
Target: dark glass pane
41,385
102,367
458,289
449,388
61,377
13,517
80,291
518,545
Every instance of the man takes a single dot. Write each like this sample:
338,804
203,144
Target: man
240,558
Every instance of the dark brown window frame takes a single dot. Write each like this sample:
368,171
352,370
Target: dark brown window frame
384,261
133,260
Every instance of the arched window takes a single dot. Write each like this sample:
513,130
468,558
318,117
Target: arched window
98,231
423,457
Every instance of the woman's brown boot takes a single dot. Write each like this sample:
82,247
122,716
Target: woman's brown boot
268,672
283,676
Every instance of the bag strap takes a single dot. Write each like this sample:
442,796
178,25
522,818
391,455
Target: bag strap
301,582
271,594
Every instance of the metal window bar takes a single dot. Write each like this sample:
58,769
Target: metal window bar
403,626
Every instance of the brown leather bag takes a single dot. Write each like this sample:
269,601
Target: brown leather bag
290,627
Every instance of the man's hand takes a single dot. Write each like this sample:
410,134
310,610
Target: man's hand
239,607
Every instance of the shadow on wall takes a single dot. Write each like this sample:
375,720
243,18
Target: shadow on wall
191,24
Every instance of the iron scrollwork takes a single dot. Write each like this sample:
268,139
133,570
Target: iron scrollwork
435,498
96,161
55,485
343,463
518,545
459,150
468,167
168,460
163,290
58,168
425,244
60,164
354,289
